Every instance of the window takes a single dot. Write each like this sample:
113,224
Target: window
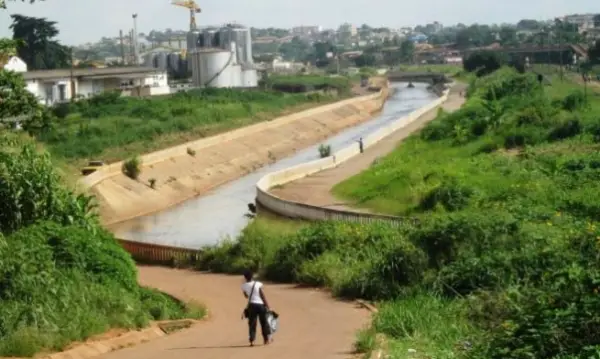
62,92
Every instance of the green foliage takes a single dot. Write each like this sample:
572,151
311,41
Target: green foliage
324,150
19,104
307,83
63,278
132,167
104,123
484,62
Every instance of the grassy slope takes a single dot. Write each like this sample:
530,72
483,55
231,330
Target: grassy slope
113,129
399,182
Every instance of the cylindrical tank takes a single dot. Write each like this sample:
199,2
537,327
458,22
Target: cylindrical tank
212,68
192,39
243,39
149,59
173,59
249,78
161,60
207,39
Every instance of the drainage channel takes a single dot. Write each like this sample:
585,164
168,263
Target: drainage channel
221,213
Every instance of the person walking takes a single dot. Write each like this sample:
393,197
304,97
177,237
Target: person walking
361,147
256,309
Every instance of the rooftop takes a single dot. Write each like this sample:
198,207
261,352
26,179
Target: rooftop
107,71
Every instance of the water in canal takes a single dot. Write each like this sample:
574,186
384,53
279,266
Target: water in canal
220,213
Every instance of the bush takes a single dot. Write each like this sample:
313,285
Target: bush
484,62
132,168
63,278
324,151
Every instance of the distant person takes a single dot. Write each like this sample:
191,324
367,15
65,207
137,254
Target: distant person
361,146
257,308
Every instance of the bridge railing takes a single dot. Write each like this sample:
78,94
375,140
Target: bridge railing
148,253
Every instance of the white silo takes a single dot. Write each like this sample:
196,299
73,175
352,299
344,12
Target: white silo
161,60
213,67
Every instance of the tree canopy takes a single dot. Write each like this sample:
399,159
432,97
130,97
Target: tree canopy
38,46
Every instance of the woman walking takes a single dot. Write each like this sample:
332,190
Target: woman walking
257,308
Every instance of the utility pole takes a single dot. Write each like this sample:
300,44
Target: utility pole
72,77
135,40
122,47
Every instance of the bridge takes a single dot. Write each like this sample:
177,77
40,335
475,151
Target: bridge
428,77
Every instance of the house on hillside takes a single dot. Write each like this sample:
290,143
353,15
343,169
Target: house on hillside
62,85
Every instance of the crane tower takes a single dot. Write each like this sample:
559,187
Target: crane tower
193,8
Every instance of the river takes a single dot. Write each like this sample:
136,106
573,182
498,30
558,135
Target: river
221,213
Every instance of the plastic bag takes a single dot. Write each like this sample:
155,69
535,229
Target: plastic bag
273,321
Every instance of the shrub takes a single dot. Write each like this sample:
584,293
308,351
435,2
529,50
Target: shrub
191,151
152,182
132,168
324,150
450,195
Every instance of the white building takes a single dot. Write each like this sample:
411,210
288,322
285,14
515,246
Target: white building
15,64
55,86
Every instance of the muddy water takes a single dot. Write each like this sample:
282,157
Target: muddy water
221,213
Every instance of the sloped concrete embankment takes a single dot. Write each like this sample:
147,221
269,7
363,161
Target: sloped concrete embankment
179,175
293,209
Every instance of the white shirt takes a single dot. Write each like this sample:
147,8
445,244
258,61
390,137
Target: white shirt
247,288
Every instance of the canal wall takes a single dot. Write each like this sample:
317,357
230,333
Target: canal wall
293,209
185,171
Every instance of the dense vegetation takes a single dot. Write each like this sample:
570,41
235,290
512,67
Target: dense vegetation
504,261
110,127
308,83
63,277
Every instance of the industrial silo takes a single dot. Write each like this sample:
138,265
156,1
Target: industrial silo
249,78
193,37
149,59
213,68
208,37
174,60
160,61
241,36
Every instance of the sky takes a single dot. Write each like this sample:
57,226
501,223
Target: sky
81,21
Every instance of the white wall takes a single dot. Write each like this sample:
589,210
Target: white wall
39,88
15,64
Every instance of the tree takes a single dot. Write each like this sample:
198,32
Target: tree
594,53
39,49
407,50
484,62
3,2
508,36
597,20
365,60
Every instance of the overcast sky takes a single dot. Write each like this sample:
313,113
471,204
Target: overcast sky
82,21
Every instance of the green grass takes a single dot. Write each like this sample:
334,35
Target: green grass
112,128
450,70
306,83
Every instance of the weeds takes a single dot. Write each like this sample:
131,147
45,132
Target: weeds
132,168
324,150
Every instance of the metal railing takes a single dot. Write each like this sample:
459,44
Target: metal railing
148,253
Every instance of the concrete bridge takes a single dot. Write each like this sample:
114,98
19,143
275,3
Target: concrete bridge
428,77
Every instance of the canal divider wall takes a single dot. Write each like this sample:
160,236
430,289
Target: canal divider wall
304,211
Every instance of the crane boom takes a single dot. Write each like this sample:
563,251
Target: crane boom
194,9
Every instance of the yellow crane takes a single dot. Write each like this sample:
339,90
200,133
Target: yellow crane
194,9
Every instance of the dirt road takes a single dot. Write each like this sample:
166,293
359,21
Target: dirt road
316,189
312,324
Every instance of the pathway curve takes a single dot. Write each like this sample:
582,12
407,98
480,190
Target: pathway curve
313,325
316,189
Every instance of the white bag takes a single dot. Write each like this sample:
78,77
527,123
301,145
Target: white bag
273,320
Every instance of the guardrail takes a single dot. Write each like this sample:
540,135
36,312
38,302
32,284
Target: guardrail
292,209
158,254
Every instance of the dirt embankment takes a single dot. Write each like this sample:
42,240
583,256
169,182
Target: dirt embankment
192,169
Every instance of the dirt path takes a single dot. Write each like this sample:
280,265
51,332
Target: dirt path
316,189
313,325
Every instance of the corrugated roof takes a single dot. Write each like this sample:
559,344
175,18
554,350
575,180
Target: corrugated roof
62,73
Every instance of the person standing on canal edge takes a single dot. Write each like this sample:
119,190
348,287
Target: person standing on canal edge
256,309
360,145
